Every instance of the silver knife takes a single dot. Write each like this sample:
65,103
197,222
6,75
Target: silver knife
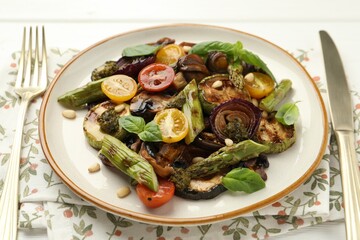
343,124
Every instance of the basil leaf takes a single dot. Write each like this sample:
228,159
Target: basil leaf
243,179
151,133
236,51
252,58
237,48
132,124
140,50
287,114
204,48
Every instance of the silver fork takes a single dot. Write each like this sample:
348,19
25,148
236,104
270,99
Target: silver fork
31,81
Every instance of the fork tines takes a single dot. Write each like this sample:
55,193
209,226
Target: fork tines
31,64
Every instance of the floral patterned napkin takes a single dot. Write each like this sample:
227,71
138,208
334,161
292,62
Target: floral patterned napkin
46,203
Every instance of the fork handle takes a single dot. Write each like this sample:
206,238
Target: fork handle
9,196
350,177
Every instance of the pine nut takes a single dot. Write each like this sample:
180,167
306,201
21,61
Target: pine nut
119,108
255,102
123,192
70,114
229,142
94,168
217,84
264,114
197,159
186,48
249,77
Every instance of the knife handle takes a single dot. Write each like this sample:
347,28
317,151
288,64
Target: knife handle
350,176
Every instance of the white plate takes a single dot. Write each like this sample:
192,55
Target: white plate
69,154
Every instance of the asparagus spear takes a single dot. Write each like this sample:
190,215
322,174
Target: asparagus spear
223,158
129,162
78,97
269,103
193,111
177,101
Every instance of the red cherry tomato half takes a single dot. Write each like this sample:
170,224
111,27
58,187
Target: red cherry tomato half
153,199
156,77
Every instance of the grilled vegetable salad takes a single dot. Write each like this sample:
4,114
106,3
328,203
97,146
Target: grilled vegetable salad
190,119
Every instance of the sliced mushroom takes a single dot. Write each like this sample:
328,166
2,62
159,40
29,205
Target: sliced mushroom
193,67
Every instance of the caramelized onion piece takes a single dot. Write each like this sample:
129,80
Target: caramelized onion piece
236,119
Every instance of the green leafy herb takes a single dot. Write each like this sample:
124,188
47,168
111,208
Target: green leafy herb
255,60
287,114
132,124
149,132
140,50
243,179
203,48
236,51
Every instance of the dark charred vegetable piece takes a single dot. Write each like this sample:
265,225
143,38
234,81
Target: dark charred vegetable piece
163,41
188,153
91,124
236,119
223,158
193,111
202,189
217,62
193,67
217,89
131,66
162,155
147,104
107,69
105,161
258,164
79,97
162,169
275,135
129,162
275,97
208,140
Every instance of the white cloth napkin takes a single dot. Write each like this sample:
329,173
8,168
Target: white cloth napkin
48,204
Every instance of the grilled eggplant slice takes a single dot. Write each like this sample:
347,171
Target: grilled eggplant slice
275,135
91,125
202,188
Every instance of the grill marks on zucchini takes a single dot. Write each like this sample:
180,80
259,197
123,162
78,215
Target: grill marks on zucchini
91,125
275,135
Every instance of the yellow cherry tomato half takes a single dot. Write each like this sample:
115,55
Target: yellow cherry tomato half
259,85
173,125
119,88
169,54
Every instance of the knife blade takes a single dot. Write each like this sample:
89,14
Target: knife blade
343,124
